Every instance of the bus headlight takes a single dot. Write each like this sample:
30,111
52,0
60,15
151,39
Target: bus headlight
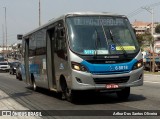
138,64
78,67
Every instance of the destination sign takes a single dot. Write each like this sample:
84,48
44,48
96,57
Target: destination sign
99,21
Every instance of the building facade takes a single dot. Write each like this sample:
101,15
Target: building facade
146,27
12,51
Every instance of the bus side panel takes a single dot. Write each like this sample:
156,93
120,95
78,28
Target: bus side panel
50,59
38,69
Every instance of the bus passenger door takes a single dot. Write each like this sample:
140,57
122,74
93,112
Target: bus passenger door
60,53
26,61
50,59
56,55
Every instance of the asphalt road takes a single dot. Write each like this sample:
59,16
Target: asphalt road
146,97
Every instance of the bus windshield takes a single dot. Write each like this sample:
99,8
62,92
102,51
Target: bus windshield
101,35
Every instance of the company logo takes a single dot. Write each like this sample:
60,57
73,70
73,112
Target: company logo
111,68
110,57
61,66
110,62
6,113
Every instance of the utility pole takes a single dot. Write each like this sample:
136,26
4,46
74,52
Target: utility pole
6,26
150,10
39,12
153,61
3,36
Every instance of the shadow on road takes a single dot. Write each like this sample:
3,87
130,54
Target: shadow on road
92,98
20,94
106,99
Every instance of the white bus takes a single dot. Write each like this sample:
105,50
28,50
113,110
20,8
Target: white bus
81,52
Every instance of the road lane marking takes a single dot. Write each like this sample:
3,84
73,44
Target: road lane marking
151,82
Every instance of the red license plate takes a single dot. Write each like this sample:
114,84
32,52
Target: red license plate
111,86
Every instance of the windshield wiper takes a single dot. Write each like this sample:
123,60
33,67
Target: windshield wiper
117,42
96,42
105,35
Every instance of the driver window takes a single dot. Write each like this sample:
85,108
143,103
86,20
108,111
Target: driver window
60,41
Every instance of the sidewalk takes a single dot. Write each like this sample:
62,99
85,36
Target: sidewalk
7,103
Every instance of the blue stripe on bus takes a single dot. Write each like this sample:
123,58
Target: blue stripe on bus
109,68
34,68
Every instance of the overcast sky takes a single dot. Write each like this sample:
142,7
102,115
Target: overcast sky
22,15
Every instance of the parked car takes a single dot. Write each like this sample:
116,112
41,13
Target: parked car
18,72
13,67
4,66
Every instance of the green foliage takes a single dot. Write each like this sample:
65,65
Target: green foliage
140,39
157,29
144,39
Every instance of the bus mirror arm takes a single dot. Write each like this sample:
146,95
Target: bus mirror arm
60,32
66,57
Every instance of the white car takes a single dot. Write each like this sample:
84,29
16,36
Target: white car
4,66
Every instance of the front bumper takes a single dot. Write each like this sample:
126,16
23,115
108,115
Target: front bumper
86,81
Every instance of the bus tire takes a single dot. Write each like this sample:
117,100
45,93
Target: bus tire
124,93
34,86
67,93
20,77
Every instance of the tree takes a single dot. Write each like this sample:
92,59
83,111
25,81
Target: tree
147,40
140,39
157,29
144,39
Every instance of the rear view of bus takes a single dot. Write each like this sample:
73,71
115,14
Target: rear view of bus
103,54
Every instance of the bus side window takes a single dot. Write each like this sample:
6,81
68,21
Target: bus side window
61,49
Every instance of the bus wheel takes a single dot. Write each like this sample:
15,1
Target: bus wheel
20,77
124,93
66,92
34,86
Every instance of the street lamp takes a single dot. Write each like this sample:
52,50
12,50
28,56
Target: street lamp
152,13
3,36
39,13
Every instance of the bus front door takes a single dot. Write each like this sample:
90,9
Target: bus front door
26,61
50,60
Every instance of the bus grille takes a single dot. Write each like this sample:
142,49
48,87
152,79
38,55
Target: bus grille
108,72
111,80
105,61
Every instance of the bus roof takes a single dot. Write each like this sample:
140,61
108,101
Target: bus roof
73,14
